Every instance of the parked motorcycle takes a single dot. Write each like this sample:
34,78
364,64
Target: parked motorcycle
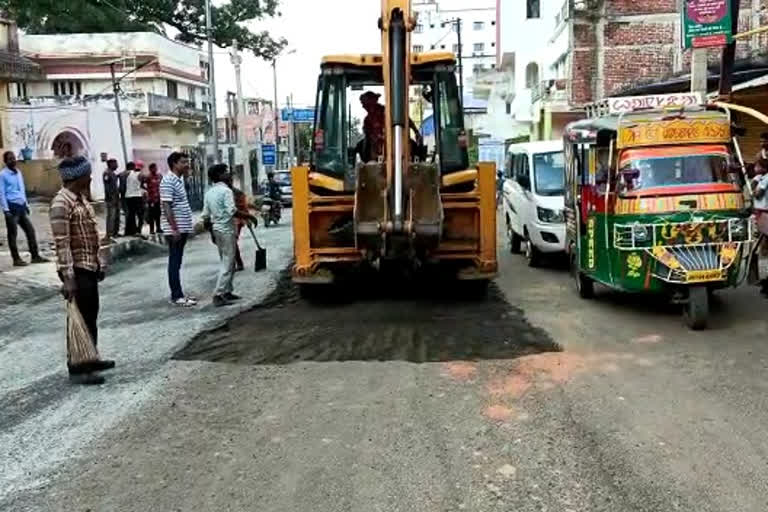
270,212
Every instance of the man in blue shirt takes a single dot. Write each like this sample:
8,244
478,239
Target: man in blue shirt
13,202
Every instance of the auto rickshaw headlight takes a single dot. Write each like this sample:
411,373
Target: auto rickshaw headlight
738,230
641,233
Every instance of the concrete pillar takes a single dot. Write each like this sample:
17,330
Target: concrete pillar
699,72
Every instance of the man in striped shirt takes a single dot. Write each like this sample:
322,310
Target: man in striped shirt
177,223
73,225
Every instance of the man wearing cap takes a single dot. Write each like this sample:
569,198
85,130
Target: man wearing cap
73,225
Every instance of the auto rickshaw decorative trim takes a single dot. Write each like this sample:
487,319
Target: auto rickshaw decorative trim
686,252
695,263
670,204
640,235
678,131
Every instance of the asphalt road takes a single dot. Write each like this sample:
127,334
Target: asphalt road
604,405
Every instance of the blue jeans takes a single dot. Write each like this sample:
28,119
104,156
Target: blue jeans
175,257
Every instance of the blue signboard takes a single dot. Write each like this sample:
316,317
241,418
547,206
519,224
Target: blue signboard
268,154
298,115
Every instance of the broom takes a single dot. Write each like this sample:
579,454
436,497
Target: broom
81,352
261,253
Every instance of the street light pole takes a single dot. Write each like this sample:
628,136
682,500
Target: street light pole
247,184
291,136
277,114
211,80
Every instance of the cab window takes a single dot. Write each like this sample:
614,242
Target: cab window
524,172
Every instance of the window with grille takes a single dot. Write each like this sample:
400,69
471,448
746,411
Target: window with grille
479,47
479,25
417,48
67,88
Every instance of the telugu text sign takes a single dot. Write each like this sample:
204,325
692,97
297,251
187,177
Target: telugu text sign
675,132
706,23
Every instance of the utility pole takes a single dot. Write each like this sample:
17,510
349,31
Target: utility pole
729,55
291,135
461,60
116,91
211,80
247,184
456,22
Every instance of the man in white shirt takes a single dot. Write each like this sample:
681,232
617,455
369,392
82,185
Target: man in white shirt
219,213
134,196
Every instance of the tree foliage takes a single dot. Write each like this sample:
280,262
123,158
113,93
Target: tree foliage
186,19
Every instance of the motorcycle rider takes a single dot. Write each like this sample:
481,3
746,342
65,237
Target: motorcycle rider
274,193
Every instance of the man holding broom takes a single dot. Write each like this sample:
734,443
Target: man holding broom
73,224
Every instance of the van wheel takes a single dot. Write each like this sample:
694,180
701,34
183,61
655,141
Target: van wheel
515,240
585,286
696,312
532,254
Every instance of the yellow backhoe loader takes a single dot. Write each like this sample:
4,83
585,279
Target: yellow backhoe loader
401,204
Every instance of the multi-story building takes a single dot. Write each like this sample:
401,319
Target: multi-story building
163,93
437,29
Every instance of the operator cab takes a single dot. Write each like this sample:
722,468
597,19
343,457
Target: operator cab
338,149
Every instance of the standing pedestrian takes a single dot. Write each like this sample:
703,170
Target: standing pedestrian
134,196
122,179
112,200
176,223
13,202
761,160
73,224
142,212
760,206
219,211
242,217
153,199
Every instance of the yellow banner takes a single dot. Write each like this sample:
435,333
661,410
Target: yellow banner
679,131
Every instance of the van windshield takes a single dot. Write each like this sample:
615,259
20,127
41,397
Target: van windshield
549,170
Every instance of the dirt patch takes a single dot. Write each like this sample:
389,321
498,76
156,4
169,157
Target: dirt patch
381,320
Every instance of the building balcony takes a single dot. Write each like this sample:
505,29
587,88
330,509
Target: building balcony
551,91
15,68
163,107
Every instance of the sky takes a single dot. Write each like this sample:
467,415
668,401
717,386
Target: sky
313,28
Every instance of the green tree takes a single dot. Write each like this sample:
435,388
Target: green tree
185,17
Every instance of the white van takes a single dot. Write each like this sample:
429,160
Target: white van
534,189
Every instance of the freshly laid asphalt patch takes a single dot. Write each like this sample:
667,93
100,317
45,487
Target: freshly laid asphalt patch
378,321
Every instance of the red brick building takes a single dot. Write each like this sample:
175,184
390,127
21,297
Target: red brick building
618,44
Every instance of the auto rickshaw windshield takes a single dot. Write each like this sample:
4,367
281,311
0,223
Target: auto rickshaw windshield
646,169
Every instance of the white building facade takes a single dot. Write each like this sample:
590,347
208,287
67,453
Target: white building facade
163,91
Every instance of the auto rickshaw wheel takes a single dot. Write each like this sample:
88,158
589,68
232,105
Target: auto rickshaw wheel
585,286
696,311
